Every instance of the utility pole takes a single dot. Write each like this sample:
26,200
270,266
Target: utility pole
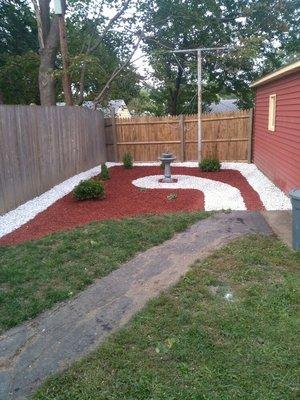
59,11
199,51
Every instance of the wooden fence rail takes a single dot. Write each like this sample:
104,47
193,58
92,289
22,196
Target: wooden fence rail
226,136
42,146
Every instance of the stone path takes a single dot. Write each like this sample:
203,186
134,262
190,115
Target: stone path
31,352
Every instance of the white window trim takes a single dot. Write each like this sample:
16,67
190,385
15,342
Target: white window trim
272,113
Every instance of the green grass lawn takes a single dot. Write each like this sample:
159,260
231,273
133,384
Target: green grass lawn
192,343
37,274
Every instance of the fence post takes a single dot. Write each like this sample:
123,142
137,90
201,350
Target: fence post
182,137
250,129
114,132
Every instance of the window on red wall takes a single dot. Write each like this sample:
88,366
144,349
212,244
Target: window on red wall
272,113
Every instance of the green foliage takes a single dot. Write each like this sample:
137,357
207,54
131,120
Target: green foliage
19,78
85,22
127,161
19,60
109,53
104,174
191,343
145,103
18,28
210,165
37,274
89,189
266,33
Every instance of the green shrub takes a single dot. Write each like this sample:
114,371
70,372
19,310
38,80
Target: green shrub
162,165
104,175
127,161
210,165
89,189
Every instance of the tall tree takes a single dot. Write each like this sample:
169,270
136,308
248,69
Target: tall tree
87,19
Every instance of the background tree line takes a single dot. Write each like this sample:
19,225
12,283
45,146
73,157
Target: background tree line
262,34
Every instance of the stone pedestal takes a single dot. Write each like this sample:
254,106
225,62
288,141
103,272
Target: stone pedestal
166,159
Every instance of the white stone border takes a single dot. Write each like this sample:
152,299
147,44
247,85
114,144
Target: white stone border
27,211
271,196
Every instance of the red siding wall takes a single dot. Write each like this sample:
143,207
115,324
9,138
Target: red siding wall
277,154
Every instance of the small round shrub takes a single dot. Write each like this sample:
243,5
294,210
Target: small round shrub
104,174
89,189
127,161
210,165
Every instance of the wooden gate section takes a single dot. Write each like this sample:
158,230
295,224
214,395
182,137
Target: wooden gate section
226,136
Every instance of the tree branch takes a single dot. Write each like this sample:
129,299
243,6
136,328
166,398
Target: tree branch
39,23
91,49
108,26
116,73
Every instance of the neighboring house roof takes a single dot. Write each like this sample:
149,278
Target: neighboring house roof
225,105
279,73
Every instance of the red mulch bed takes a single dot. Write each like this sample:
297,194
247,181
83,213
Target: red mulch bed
123,200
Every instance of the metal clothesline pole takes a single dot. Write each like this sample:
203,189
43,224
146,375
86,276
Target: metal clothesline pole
199,74
199,51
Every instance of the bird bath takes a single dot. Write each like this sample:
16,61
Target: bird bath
166,159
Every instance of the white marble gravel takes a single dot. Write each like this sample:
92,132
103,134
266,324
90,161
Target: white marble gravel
217,195
272,197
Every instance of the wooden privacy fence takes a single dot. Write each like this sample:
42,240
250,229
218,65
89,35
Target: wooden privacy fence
226,136
42,146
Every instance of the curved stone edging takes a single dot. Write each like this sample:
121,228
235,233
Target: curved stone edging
217,195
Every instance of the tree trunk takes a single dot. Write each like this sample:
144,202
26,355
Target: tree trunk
47,82
49,42
65,61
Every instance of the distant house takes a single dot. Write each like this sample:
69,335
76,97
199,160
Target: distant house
120,108
277,126
225,105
